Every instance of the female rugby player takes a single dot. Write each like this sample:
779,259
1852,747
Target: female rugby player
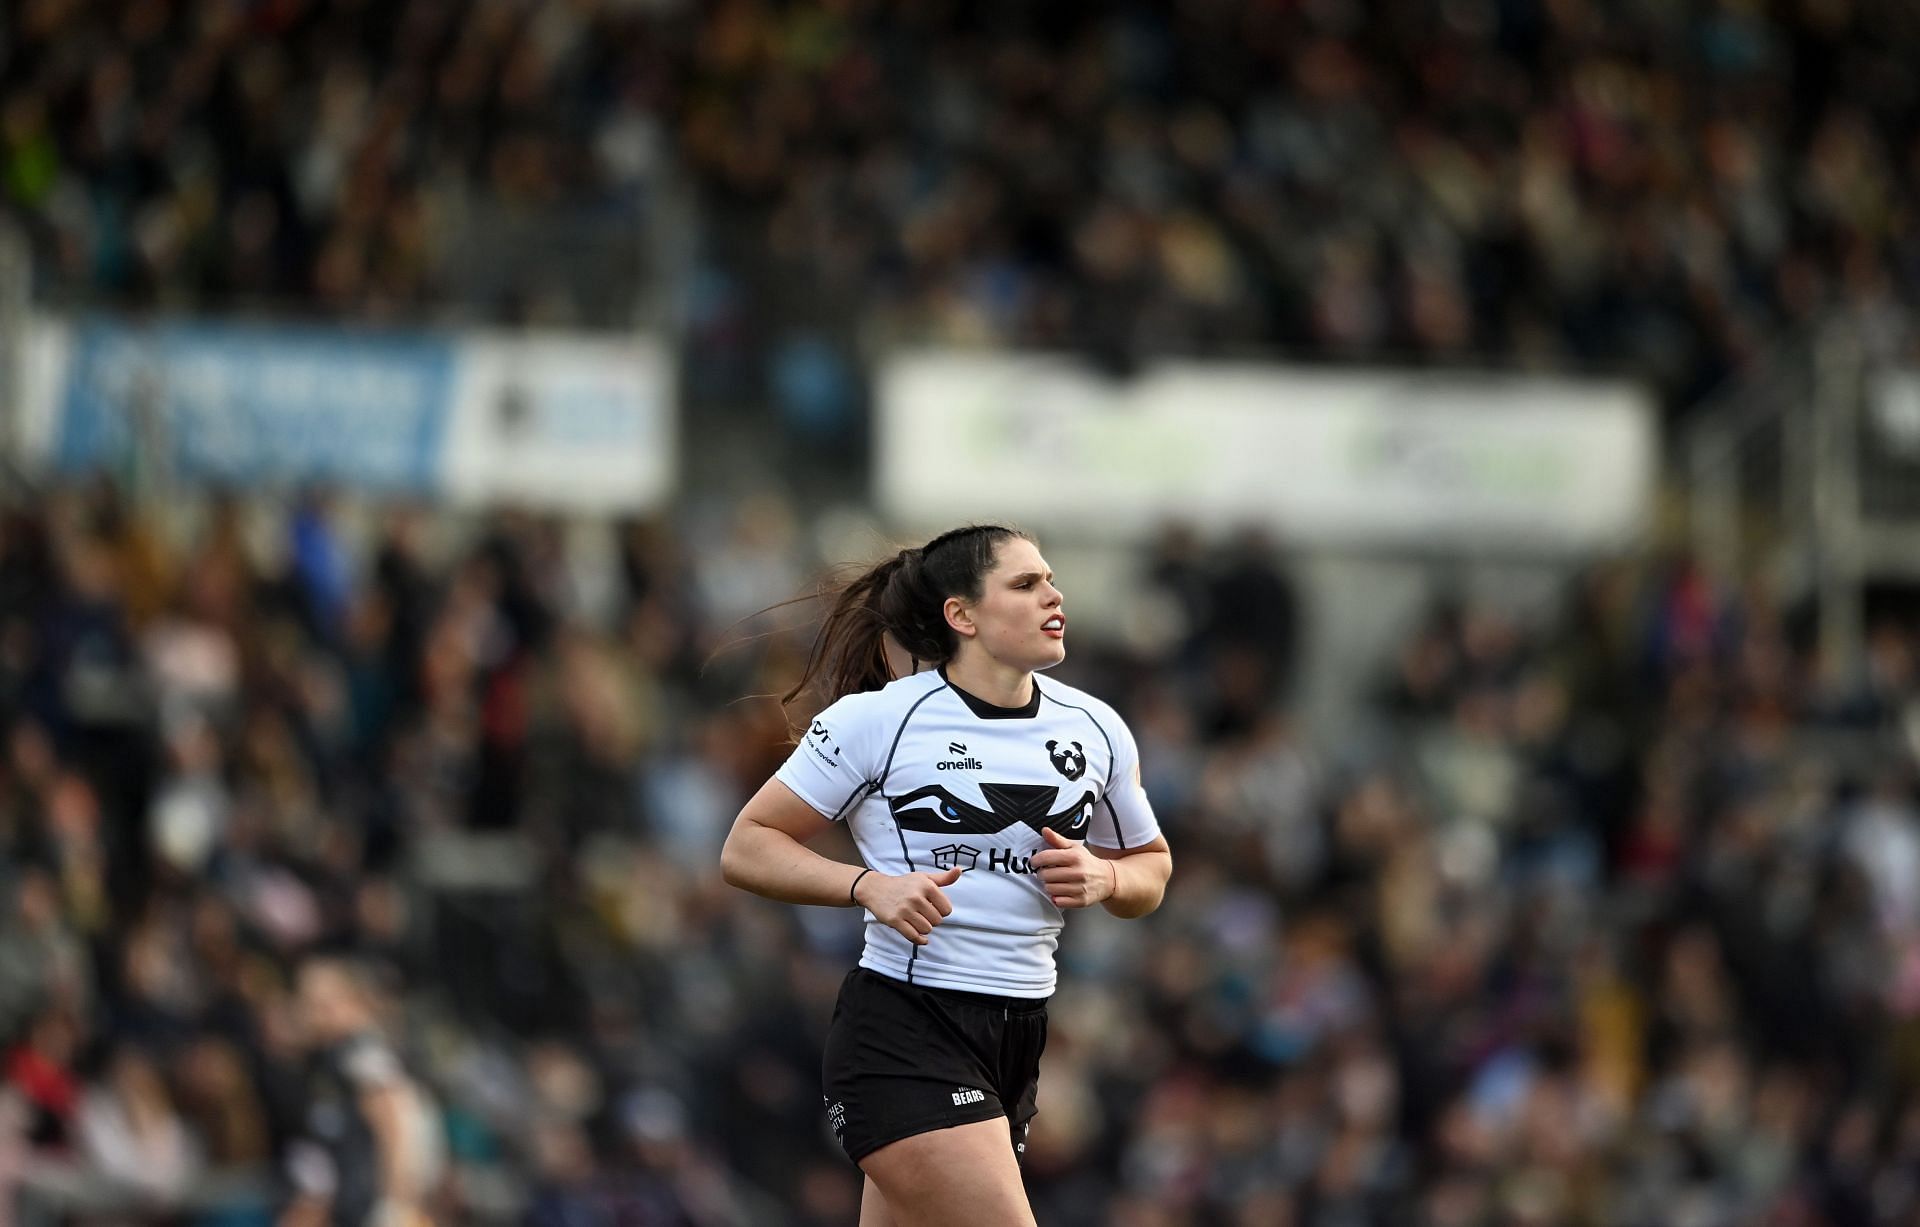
986,804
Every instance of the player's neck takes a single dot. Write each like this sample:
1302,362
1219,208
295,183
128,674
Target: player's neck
990,681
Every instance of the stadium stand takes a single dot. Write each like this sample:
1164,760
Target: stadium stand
1652,189
1606,917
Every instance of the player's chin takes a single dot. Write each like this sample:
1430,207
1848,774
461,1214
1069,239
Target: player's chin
1052,654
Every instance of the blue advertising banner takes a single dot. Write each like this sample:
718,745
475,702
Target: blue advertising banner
250,404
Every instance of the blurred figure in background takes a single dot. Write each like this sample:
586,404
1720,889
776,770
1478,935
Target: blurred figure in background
131,1133
373,1153
40,1069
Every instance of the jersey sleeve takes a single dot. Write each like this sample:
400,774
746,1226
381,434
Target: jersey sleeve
369,1064
831,766
1124,817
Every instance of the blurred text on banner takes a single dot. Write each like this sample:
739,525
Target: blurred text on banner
1348,458
544,419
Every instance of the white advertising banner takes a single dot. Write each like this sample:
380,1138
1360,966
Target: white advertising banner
561,422
1369,458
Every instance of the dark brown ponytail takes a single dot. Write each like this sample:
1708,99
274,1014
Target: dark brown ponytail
904,596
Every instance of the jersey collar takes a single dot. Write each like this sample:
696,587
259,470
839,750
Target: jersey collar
993,711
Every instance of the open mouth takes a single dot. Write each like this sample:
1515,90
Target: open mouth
1055,626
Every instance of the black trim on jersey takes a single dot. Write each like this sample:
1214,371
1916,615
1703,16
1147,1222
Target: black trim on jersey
1115,815
887,769
1007,804
993,711
853,798
881,786
913,947
1113,760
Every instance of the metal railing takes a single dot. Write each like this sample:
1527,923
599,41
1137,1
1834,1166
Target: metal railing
1786,477
16,296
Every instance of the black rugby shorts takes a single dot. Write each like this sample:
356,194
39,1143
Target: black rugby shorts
903,1059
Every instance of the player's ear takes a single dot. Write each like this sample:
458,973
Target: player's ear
959,617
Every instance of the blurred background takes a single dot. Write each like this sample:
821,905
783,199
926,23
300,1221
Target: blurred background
1479,441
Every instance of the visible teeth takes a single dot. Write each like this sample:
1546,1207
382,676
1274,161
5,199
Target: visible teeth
1053,624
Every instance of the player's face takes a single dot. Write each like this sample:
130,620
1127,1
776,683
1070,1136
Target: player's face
1018,618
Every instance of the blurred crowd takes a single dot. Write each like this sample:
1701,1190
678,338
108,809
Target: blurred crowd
1651,188
1608,921
350,157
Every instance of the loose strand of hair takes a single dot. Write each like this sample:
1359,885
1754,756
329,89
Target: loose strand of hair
845,656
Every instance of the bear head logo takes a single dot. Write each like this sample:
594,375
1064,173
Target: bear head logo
1069,759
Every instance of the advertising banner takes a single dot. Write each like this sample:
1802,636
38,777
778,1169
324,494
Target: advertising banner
249,405
1888,449
564,422
543,419
1364,458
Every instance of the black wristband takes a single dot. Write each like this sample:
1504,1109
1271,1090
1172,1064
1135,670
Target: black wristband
856,881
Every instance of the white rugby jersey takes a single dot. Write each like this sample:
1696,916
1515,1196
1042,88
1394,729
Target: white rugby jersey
929,777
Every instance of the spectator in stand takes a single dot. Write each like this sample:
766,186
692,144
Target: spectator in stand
42,962
131,1134
40,1069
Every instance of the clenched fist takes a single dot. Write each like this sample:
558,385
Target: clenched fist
1073,876
910,904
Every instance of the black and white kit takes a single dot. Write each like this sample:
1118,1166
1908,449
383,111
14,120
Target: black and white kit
928,777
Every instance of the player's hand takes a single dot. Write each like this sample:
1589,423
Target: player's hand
910,904
1073,876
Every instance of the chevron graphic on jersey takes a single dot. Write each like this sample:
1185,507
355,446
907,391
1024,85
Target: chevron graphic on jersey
935,808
